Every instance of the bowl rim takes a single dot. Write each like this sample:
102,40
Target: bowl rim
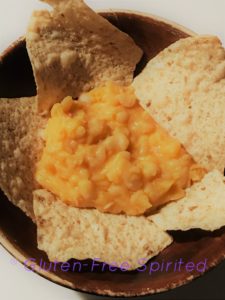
150,16
115,11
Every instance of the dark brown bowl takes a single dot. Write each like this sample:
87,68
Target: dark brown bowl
18,233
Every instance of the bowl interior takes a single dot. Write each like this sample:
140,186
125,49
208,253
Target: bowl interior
18,233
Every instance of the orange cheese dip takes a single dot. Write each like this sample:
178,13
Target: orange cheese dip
104,151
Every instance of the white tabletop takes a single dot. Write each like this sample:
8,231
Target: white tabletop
202,16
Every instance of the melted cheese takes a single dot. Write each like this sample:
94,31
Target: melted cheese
104,151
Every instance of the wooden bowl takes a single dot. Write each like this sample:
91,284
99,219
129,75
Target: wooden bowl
18,233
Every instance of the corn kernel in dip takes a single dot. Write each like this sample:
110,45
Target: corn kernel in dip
104,151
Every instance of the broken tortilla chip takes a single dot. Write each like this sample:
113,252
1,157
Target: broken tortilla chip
66,232
21,146
203,207
73,49
183,88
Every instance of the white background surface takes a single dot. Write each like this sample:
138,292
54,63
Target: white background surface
202,16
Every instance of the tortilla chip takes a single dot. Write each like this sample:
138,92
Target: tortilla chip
183,88
73,49
20,145
203,207
66,232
